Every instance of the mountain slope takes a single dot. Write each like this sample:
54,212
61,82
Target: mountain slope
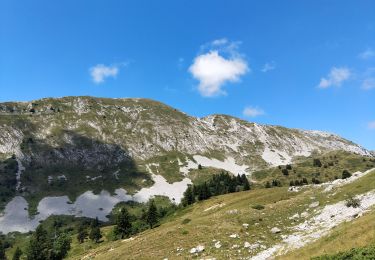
146,128
310,222
72,145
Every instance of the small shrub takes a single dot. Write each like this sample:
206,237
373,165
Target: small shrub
346,174
258,207
185,221
352,202
317,163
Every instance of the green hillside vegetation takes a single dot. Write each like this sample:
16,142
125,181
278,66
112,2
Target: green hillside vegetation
318,169
219,217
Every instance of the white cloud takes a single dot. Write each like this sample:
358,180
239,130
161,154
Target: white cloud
367,54
212,69
252,111
368,84
269,66
100,72
221,41
335,78
371,125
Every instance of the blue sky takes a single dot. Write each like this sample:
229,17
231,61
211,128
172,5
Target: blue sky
303,64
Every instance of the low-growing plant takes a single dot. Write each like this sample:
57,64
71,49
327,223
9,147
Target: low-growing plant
258,207
353,202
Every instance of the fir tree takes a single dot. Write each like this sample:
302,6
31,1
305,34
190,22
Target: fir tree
60,246
245,182
39,245
152,214
17,254
123,226
2,251
95,234
82,233
189,197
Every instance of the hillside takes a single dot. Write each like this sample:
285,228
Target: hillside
292,225
82,155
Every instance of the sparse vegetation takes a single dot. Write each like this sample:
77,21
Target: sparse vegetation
353,202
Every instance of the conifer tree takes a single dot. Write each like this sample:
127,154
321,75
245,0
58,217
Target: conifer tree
2,251
82,233
123,226
39,245
245,182
17,254
152,214
189,197
95,233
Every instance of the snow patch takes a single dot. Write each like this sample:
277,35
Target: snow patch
16,218
229,164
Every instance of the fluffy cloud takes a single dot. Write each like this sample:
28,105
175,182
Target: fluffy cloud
252,111
335,78
269,66
371,125
367,54
212,69
100,72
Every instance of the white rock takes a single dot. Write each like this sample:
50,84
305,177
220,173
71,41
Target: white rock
275,230
196,250
234,236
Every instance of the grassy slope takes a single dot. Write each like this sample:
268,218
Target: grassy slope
333,163
217,223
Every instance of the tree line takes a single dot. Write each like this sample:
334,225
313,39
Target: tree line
219,184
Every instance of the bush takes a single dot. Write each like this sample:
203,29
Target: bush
352,202
346,174
354,253
258,207
317,163
185,221
285,172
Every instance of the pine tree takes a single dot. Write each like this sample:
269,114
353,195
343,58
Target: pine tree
204,192
60,246
245,182
152,214
95,234
39,245
2,251
82,233
17,254
189,197
123,226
